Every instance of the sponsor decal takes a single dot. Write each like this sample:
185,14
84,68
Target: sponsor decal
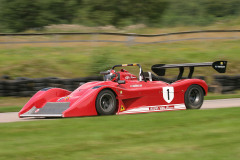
219,66
67,98
159,108
37,110
136,85
168,94
122,108
128,77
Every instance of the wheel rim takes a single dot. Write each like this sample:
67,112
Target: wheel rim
194,96
106,102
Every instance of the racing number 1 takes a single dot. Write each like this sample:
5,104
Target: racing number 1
168,94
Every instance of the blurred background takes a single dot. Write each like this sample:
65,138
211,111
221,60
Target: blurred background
62,43
66,43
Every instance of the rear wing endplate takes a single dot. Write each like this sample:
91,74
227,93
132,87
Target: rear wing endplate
160,69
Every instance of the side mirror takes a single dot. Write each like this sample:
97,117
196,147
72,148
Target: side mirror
121,82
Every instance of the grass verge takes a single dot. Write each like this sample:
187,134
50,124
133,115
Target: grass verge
195,134
10,109
75,60
212,96
12,104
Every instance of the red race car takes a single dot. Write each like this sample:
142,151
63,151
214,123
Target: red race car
123,93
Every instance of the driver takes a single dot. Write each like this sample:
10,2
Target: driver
112,76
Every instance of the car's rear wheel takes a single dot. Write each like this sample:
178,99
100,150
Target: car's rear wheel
106,103
194,97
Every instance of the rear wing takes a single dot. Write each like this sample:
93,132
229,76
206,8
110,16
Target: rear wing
160,69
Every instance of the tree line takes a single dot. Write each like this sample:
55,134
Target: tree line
20,15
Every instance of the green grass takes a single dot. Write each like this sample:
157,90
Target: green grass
211,96
12,104
191,134
10,109
81,60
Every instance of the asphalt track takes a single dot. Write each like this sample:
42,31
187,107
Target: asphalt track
208,104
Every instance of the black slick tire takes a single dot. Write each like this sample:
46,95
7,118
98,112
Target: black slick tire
106,103
194,97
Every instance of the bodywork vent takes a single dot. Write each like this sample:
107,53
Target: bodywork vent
51,109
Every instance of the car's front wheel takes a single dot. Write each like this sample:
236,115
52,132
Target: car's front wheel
194,97
106,103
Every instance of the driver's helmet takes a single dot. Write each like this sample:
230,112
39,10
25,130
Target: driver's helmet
112,76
